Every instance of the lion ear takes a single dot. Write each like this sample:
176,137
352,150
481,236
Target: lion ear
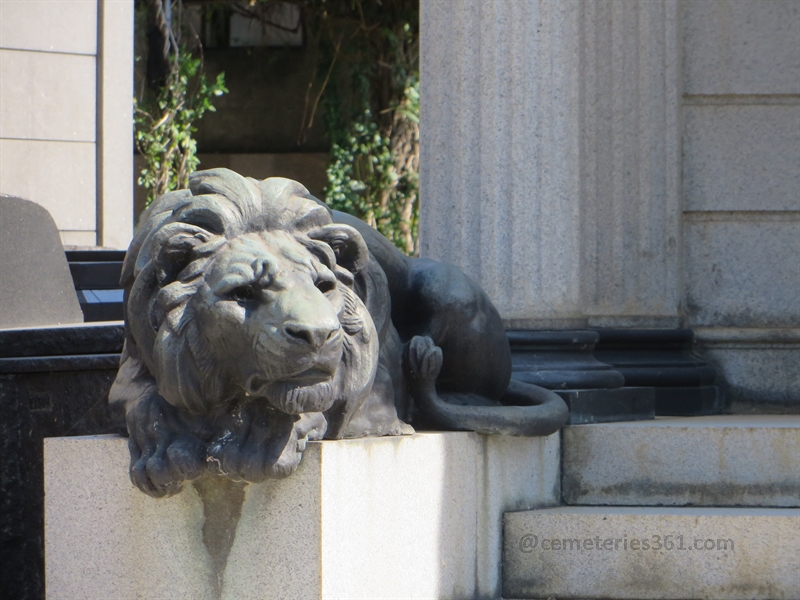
174,249
349,247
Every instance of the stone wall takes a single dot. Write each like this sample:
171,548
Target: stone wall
741,192
623,164
66,141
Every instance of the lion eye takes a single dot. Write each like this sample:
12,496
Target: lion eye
243,293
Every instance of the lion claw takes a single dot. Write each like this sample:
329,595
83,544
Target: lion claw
163,453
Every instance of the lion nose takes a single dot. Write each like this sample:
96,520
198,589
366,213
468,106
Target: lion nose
313,335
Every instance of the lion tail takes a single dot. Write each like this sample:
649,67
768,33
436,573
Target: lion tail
542,413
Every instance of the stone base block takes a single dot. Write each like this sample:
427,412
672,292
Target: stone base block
417,516
724,460
642,553
758,366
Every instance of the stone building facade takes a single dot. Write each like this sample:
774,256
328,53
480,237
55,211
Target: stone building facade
624,164
66,141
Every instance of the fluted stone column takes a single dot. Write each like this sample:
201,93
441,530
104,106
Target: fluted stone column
551,157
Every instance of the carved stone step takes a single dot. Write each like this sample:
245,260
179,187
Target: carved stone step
652,552
723,460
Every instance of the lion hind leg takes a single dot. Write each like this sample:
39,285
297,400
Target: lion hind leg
377,415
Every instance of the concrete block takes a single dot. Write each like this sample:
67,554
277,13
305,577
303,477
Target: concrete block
642,553
47,96
416,516
741,157
741,47
58,175
499,143
725,460
64,26
742,271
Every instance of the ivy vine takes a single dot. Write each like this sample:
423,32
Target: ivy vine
368,51
176,98
366,81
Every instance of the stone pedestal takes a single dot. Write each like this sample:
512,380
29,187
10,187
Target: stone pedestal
417,516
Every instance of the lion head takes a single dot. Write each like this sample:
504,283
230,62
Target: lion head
242,291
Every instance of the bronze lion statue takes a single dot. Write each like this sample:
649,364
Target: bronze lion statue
257,320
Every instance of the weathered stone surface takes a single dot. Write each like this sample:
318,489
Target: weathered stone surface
758,366
69,27
48,96
600,552
38,170
743,273
551,160
416,516
548,162
741,157
741,460
115,112
741,47
35,285
66,84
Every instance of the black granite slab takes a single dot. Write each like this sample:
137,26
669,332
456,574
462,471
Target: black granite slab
96,274
560,360
54,382
608,406
89,338
684,383
689,401
33,406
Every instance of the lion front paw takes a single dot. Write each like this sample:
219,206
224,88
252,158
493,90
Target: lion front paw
423,359
255,443
164,454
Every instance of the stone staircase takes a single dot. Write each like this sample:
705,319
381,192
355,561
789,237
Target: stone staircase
678,507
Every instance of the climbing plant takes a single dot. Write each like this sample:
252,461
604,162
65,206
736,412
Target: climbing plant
368,84
176,96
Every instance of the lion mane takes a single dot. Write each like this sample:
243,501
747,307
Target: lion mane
184,347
